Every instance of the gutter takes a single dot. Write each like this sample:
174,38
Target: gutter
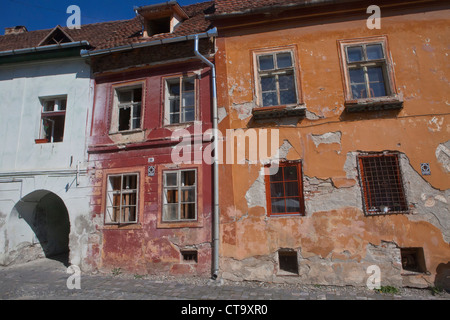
44,48
216,158
207,34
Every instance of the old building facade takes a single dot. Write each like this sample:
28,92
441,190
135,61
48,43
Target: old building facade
334,144
361,115
152,197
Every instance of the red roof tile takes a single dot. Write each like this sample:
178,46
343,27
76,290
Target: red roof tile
112,34
234,6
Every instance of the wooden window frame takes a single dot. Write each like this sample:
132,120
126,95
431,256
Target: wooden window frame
167,97
179,188
116,105
46,115
391,99
371,193
134,191
301,197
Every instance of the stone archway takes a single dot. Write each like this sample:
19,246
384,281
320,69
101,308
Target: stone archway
38,227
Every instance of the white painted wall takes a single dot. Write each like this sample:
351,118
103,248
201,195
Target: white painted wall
27,167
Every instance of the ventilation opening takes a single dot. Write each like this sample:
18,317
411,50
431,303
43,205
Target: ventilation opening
413,259
288,263
189,256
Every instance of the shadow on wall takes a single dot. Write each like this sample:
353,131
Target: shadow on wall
46,215
442,279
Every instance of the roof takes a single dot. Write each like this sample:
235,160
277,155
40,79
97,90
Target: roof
113,34
235,6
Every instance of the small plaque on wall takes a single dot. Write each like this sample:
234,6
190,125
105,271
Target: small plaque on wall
425,168
151,171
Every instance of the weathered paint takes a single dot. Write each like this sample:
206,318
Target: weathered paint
335,241
28,171
150,246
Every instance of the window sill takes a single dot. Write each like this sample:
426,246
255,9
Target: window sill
279,111
130,226
179,224
126,132
41,141
374,104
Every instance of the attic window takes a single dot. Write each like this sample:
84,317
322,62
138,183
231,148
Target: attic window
161,18
56,36
158,26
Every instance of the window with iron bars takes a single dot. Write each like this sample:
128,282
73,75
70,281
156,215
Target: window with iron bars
382,185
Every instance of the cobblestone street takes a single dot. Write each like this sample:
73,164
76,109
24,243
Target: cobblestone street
47,280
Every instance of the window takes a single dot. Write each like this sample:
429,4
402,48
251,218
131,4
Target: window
189,256
122,199
276,79
366,65
413,259
382,184
284,190
368,73
180,100
53,117
288,263
180,195
128,111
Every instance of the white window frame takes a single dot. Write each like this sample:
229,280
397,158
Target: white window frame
276,72
365,64
168,97
110,202
115,125
57,111
179,188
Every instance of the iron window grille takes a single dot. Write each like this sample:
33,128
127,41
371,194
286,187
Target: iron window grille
382,184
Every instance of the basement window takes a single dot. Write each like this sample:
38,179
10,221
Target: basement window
284,190
413,260
53,118
122,199
288,263
189,256
382,185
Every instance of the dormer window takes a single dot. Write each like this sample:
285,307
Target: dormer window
161,18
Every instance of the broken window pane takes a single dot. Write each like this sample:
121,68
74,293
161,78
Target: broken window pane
125,96
188,178
124,118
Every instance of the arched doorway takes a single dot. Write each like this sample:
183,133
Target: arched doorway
39,226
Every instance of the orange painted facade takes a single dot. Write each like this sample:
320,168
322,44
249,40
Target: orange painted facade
335,241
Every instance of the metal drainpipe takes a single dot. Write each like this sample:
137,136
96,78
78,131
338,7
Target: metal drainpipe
215,164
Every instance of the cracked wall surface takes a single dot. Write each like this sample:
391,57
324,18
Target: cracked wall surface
335,241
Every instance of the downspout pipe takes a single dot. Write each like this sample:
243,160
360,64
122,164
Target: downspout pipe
215,271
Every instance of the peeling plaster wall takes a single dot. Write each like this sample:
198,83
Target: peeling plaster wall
335,242
30,171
